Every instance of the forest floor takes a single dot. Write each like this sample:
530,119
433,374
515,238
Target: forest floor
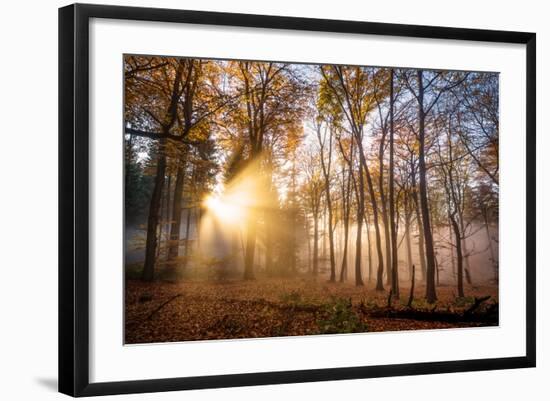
205,310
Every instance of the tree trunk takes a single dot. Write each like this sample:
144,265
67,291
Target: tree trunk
250,249
408,233
380,272
419,224
490,242
385,218
360,199
367,223
363,163
344,268
346,206
160,230
154,206
411,293
331,238
168,214
154,216
453,262
394,270
186,249
465,251
387,243
174,242
360,212
431,296
315,244
458,246
198,220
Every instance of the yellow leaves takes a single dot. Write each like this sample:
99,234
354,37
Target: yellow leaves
347,93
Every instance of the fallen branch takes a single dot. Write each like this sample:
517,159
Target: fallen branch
162,306
477,303
490,315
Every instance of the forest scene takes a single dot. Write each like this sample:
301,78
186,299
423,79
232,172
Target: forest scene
268,199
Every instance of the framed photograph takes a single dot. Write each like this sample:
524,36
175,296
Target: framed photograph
250,199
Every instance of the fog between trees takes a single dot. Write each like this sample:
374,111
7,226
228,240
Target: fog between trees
244,170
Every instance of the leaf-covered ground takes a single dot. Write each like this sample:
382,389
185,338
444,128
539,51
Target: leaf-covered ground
206,310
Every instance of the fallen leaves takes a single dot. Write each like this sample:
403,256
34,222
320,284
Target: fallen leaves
206,310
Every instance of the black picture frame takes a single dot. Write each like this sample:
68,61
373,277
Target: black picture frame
74,198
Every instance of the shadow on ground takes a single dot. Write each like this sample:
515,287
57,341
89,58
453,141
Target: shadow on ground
49,383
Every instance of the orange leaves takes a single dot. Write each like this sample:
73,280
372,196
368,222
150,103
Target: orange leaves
201,310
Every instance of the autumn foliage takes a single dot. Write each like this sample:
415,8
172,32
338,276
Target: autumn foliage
275,199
